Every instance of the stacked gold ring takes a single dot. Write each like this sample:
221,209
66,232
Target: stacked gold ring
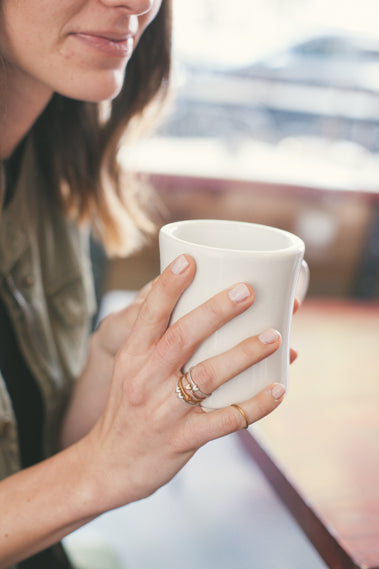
190,393
191,386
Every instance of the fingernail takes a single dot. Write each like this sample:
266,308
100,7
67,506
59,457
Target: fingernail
269,336
278,391
180,265
239,293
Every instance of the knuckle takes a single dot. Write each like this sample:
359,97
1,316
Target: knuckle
249,349
261,409
263,405
175,335
232,421
150,314
133,393
172,341
131,387
215,312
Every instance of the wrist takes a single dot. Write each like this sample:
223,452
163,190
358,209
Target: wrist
96,488
84,488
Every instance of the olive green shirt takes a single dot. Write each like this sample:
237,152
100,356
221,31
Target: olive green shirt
46,285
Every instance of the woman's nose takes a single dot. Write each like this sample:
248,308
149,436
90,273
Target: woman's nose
134,7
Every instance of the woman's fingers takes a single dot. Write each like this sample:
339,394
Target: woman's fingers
210,374
176,344
115,328
184,336
205,427
156,309
252,410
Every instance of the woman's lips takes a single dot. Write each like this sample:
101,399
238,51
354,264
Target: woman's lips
112,46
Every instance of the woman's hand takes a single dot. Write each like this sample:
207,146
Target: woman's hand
114,329
92,387
146,433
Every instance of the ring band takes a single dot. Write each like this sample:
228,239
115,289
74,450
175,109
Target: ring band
242,413
191,385
190,393
184,395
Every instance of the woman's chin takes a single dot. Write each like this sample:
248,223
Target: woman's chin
94,91
96,96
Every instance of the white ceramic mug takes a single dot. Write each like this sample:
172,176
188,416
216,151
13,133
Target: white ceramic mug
226,253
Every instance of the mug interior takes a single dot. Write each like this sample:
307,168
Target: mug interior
232,235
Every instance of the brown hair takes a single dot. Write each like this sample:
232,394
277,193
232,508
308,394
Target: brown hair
77,149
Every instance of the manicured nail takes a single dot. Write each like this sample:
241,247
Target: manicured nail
239,293
269,336
278,391
179,265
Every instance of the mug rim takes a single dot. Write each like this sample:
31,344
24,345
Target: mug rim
295,242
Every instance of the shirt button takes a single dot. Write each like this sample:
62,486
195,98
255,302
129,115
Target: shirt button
4,426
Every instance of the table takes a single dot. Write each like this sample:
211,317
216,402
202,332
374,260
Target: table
320,449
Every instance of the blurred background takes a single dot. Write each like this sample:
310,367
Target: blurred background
274,119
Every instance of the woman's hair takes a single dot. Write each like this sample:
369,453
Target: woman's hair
77,147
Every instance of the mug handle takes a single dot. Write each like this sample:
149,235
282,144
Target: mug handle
302,282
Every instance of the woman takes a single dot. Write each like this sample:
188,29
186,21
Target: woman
69,454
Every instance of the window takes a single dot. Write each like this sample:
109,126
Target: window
278,80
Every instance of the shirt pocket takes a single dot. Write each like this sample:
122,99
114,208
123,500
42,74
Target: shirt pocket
71,306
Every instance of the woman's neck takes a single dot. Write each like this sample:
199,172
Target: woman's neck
21,103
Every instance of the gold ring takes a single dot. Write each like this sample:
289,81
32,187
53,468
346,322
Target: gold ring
184,395
242,413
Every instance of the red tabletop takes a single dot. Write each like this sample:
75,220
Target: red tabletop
320,449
